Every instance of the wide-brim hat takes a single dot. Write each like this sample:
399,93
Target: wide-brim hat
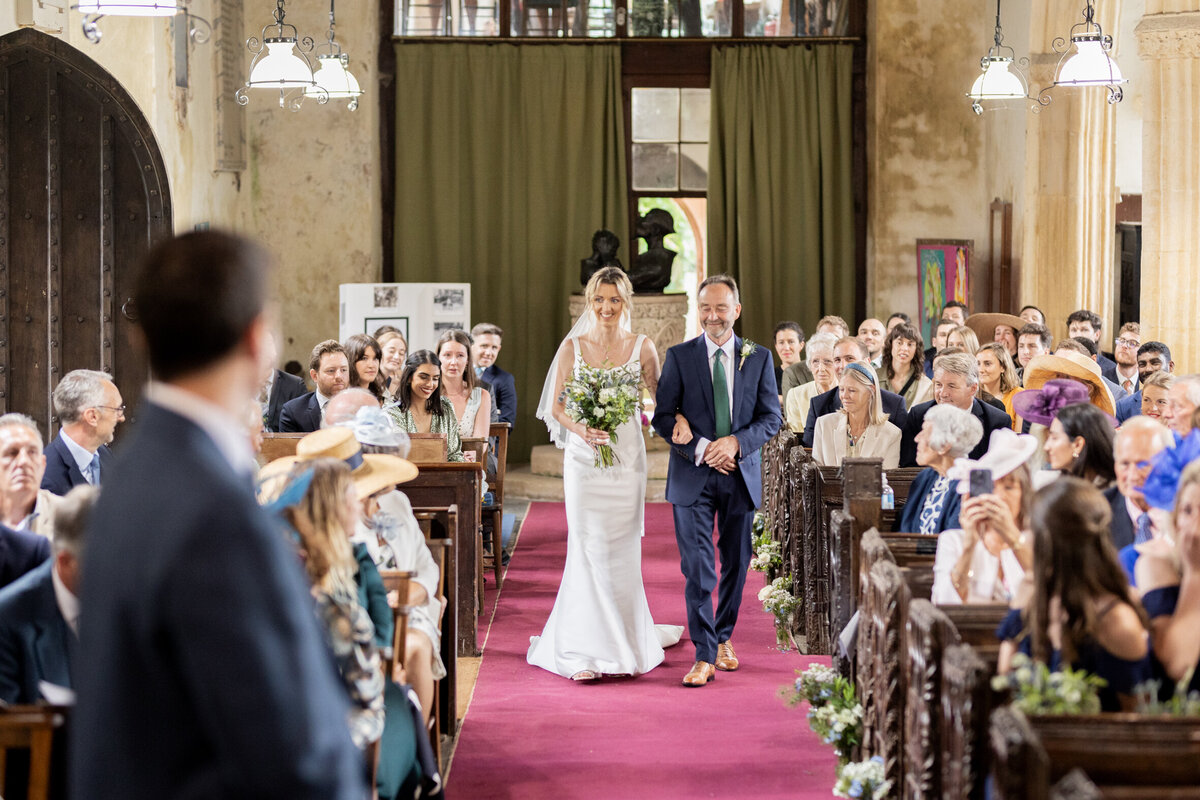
1073,365
371,473
985,324
1006,451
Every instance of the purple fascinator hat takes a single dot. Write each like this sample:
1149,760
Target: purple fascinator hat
1042,405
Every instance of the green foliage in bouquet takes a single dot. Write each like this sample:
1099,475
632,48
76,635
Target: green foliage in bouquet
1181,703
1037,690
603,399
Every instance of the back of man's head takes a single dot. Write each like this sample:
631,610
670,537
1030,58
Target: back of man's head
71,515
344,405
196,297
1087,344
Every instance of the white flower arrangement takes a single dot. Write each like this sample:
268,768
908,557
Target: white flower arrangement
863,780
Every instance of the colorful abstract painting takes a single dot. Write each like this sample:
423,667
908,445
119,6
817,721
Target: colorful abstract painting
943,267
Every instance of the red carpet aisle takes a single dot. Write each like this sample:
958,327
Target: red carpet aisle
531,734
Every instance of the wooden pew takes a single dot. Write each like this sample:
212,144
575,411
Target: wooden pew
279,445
444,484
966,699
793,548
776,462
1124,755
439,525
889,604
30,729
927,633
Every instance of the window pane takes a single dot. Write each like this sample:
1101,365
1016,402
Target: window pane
675,18
655,115
797,17
422,18
693,116
578,18
693,167
478,18
656,167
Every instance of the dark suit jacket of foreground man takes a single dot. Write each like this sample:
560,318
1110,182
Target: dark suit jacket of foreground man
203,673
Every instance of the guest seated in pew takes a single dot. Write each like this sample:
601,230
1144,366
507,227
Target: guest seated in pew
1168,574
947,434
1152,399
1080,437
955,383
846,350
39,614
1182,402
1134,522
903,367
329,369
998,377
986,560
820,362
801,373
24,505
420,407
343,409
789,346
395,350
861,429
1066,364
472,401
364,355
1078,609
965,338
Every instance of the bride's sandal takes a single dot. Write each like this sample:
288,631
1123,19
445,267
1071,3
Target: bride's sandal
585,675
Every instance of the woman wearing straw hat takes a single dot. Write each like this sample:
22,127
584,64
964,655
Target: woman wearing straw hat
1000,328
986,560
1074,366
862,429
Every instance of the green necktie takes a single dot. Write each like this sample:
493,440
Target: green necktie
720,394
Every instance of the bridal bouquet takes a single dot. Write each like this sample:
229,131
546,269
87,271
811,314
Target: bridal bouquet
603,399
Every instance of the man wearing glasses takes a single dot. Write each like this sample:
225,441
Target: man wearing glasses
1129,339
89,406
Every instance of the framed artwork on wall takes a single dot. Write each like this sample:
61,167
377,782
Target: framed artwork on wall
943,269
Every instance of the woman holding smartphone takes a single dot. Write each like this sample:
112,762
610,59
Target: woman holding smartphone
985,560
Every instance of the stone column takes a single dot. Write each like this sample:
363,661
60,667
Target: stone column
1169,41
1068,247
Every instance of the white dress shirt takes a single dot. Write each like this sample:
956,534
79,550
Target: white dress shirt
83,458
68,604
730,368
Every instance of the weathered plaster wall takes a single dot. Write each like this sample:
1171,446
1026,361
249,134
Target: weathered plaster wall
926,163
311,187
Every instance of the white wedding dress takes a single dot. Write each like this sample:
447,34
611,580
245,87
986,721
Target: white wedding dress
601,620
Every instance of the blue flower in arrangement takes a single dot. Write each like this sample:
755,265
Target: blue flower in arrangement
1166,467
856,789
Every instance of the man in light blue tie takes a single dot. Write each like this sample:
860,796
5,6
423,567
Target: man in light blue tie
89,406
1137,442
725,389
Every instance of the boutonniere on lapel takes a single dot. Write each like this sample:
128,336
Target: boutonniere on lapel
748,348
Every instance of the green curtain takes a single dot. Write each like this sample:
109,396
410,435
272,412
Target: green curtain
508,159
781,212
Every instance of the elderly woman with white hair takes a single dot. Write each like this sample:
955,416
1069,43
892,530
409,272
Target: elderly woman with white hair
820,363
947,434
860,429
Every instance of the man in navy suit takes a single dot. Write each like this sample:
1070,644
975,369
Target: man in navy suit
725,389
39,613
848,349
207,674
1137,442
1152,357
329,369
278,388
487,339
955,381
20,552
89,406
1088,323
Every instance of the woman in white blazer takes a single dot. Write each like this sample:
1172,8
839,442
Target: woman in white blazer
860,429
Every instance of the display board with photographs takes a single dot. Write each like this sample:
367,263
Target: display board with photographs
420,311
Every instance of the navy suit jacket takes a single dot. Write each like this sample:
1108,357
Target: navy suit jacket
285,387
1122,532
20,552
62,473
301,415
828,402
36,644
1129,406
986,414
685,386
504,394
207,675
910,516
1108,367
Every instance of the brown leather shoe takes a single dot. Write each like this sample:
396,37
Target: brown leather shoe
727,660
702,672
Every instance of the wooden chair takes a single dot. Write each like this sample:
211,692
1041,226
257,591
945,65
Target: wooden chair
495,509
397,580
436,524
29,728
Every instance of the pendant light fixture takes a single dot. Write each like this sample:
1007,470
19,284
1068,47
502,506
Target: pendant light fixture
333,73
1000,79
95,10
280,64
1086,60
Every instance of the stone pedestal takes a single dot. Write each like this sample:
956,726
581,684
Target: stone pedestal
660,316
1169,42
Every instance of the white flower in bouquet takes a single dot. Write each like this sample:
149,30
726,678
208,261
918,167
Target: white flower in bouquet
863,780
603,399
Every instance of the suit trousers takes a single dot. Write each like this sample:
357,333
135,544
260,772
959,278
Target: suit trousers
725,500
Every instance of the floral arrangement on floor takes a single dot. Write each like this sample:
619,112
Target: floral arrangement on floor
603,399
834,712
1037,690
768,553
863,779
777,599
1182,703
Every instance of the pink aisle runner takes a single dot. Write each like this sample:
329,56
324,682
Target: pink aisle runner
529,734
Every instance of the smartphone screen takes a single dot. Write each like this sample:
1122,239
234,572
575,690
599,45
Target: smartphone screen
980,482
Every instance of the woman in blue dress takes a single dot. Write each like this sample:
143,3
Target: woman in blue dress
1080,610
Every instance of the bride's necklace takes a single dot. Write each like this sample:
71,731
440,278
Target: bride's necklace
607,357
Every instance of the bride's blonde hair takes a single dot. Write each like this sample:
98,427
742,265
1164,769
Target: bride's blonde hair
613,276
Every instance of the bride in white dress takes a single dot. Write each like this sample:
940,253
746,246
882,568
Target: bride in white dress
601,623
